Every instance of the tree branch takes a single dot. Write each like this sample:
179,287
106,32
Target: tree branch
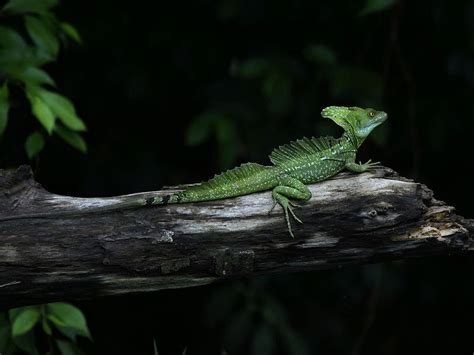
351,219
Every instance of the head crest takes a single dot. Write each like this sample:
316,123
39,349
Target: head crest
338,114
356,120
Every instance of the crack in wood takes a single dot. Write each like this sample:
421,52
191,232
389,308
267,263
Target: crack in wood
10,284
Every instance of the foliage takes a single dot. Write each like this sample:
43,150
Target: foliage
373,6
248,314
21,70
23,329
270,86
21,62
223,128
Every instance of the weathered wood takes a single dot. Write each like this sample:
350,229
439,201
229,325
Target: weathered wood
351,219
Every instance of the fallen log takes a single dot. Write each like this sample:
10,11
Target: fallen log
71,254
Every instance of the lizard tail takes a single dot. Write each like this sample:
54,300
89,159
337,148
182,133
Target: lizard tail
132,204
162,200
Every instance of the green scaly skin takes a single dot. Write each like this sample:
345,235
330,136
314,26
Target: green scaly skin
296,164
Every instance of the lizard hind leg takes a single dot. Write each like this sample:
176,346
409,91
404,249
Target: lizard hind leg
290,188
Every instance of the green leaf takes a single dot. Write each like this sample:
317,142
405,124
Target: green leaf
15,60
228,141
41,35
213,122
34,76
56,321
34,144
71,31
64,109
72,138
364,86
201,128
26,342
320,54
68,316
10,38
25,321
253,68
33,6
46,327
43,113
277,89
14,312
68,332
40,110
4,107
66,347
372,6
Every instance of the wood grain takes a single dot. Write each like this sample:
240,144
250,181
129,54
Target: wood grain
351,219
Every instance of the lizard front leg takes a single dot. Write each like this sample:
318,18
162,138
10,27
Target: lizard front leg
351,165
290,188
360,168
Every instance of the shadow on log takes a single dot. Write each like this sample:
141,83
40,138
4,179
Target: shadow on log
72,254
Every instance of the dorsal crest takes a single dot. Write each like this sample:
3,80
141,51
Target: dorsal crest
228,177
241,172
300,149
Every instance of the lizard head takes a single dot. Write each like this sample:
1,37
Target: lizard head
358,120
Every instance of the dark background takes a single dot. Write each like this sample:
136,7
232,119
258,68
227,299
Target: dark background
174,91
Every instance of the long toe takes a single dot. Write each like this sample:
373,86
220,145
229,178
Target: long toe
294,216
294,204
273,206
288,223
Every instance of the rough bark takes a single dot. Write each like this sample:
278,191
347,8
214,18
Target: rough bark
351,219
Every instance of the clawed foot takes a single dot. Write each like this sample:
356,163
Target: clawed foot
369,165
287,206
291,203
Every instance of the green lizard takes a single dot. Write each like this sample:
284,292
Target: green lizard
305,161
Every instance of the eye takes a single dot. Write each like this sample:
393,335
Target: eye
372,114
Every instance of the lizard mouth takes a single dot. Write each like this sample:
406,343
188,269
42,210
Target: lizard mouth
379,119
376,121
383,117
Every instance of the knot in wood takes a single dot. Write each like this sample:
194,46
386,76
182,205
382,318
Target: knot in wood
372,213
